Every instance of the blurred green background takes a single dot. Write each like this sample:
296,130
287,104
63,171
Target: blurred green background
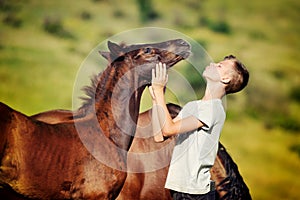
43,43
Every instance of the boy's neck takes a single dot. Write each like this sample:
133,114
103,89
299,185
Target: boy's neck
214,91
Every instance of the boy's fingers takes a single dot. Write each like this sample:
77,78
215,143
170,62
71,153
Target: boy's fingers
157,70
164,71
153,74
161,71
159,74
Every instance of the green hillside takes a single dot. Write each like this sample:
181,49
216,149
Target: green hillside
43,44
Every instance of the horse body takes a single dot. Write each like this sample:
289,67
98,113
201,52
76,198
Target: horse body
37,165
82,154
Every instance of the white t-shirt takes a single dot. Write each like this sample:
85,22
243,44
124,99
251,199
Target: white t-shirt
195,152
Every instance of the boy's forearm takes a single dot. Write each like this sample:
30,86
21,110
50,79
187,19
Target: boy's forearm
159,81
156,126
162,110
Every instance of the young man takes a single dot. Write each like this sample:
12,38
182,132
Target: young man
198,127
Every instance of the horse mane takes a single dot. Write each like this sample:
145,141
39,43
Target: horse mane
98,79
233,184
90,91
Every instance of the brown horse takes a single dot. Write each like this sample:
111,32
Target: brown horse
146,180
82,154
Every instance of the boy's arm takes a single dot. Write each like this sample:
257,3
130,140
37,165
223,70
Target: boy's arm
169,127
156,126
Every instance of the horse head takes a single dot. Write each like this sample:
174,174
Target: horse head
141,58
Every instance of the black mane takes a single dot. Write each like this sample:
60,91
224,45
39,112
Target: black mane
233,184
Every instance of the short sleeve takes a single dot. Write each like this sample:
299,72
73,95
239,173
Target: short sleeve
202,110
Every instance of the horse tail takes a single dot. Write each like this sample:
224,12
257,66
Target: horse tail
233,184
5,121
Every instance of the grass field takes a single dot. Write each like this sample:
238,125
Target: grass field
38,68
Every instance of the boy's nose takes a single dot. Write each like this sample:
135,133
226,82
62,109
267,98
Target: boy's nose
211,65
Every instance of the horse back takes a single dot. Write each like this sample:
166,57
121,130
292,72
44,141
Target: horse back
54,116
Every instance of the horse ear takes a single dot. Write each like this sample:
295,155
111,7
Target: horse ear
105,54
116,51
114,48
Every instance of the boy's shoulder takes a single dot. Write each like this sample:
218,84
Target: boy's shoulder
205,102
201,105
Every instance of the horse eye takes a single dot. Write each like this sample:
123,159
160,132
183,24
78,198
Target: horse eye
147,50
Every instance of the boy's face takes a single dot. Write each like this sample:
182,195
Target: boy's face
219,72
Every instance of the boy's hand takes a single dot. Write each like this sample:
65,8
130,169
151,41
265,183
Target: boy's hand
159,77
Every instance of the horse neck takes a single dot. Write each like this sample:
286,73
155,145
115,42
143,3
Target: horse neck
117,102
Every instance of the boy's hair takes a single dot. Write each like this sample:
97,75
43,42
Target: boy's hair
239,79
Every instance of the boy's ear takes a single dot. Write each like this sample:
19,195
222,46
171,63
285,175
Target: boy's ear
226,80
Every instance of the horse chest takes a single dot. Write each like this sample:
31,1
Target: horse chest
95,180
